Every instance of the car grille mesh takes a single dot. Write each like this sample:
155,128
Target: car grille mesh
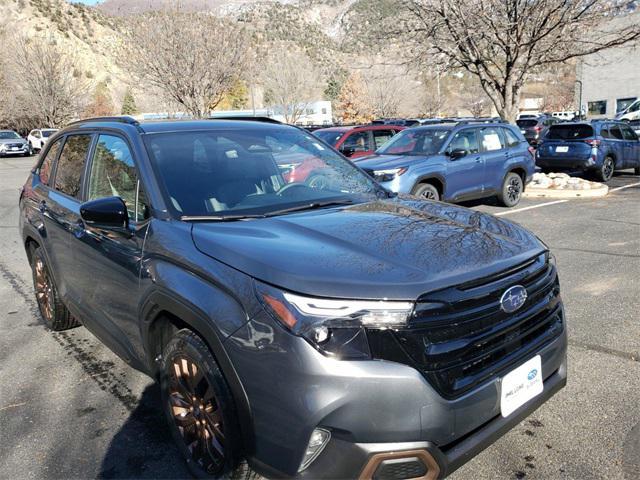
460,337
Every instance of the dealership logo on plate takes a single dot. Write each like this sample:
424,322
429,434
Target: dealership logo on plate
513,298
532,374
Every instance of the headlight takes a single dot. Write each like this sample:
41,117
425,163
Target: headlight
3,147
388,174
551,258
335,327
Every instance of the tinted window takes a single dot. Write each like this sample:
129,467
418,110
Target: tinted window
569,132
615,132
113,174
465,140
605,132
71,164
526,123
380,137
416,141
491,139
329,136
512,140
47,162
247,172
627,133
597,108
357,142
48,133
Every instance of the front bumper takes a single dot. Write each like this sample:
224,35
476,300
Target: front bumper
371,407
22,151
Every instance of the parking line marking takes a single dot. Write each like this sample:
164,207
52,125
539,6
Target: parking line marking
623,187
530,208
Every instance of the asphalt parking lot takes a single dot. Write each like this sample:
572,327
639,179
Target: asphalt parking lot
69,408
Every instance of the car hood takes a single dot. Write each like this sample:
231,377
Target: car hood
395,249
13,140
372,162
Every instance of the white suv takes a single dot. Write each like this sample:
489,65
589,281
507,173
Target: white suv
38,138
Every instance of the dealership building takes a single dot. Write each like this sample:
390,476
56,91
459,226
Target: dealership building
610,79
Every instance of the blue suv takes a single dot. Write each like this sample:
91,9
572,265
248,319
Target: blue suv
599,147
455,162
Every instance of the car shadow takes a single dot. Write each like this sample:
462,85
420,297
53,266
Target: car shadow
143,447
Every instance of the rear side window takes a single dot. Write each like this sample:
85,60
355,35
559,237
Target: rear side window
491,139
570,132
628,134
615,132
47,163
71,164
510,137
380,137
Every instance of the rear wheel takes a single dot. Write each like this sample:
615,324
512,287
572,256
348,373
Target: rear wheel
53,311
200,410
605,172
636,171
512,188
426,191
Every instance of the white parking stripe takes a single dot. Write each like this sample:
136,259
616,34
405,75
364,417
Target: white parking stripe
530,208
623,187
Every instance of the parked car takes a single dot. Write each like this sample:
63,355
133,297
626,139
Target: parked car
455,162
12,144
357,141
37,138
566,116
534,129
632,112
317,332
599,147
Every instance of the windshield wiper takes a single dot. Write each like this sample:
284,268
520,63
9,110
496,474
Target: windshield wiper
309,206
217,218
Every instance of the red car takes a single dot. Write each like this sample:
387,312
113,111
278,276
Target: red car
354,142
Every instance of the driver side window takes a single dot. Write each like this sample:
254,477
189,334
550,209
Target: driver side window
113,174
465,140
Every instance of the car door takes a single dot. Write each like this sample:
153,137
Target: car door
494,154
465,175
631,148
108,262
61,211
617,144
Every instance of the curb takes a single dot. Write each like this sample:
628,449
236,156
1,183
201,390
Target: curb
532,192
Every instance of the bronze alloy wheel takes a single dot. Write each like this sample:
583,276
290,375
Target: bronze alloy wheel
197,414
44,291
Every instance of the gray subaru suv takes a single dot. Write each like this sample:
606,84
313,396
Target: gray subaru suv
300,330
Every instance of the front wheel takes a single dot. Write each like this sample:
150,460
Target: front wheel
636,171
426,191
200,410
512,188
605,172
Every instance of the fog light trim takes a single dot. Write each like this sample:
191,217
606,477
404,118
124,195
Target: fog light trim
433,469
317,441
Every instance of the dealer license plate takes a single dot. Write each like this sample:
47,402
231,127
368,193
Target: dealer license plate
562,149
521,385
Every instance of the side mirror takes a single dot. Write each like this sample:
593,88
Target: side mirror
458,153
347,151
108,213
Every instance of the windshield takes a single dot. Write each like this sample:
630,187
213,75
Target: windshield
329,136
569,132
526,123
415,141
7,135
232,172
48,133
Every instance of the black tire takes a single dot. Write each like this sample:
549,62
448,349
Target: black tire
30,149
511,191
426,191
605,172
53,311
200,410
636,171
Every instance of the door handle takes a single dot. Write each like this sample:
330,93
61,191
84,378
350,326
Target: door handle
43,206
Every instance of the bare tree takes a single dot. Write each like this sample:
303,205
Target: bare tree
502,42
43,83
191,58
386,93
291,81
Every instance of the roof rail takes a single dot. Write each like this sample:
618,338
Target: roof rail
120,119
247,118
480,120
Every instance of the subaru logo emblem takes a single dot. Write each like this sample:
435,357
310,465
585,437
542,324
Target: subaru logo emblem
513,298
532,374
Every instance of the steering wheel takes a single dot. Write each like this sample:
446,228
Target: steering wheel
291,186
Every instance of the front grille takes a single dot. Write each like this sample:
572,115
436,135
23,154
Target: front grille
460,337
14,145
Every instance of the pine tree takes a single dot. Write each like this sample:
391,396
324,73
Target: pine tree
353,102
129,104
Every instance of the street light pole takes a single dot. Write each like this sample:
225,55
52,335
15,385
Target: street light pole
580,100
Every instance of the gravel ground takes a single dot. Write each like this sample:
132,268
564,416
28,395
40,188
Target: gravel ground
69,408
